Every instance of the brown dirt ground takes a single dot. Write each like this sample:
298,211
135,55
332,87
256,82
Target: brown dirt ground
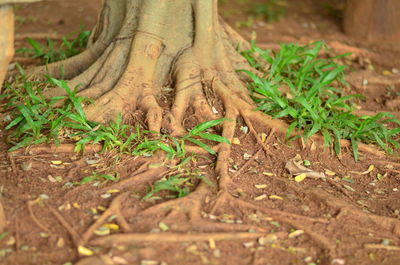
334,230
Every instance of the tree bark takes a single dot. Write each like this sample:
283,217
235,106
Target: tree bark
373,20
6,39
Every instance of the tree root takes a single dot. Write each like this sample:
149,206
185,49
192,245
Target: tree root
74,235
386,223
3,220
114,209
33,217
62,148
170,237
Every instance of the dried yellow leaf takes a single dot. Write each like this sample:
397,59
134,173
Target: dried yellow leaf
275,197
263,137
269,174
386,72
113,191
102,231
212,244
261,197
163,226
76,205
296,233
85,251
369,170
56,162
330,173
300,178
111,226
236,141
261,186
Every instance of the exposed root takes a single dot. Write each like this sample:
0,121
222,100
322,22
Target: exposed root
74,235
386,223
126,239
3,220
247,163
139,179
62,148
114,209
33,217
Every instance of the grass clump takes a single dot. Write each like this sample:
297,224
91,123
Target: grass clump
306,90
52,52
33,119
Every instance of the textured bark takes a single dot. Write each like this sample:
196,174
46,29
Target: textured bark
138,47
6,39
373,20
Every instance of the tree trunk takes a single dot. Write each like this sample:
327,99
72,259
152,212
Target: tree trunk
6,39
140,47
373,20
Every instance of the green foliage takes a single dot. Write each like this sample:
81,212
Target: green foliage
35,119
175,183
50,53
271,11
97,177
305,90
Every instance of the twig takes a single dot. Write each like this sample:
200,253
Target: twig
74,235
35,220
170,237
114,209
247,163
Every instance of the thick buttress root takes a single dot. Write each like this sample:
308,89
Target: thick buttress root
130,63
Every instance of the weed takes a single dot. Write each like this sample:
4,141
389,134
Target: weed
97,177
306,91
49,52
35,119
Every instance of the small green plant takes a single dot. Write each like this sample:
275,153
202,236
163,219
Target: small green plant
33,119
305,90
50,53
271,11
175,183
97,177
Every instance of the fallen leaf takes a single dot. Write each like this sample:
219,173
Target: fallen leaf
261,186
102,231
56,162
369,170
300,178
275,197
261,197
85,251
330,172
163,226
113,191
212,244
268,239
263,137
296,233
112,226
236,141
268,174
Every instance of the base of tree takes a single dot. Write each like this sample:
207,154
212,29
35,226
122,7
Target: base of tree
137,54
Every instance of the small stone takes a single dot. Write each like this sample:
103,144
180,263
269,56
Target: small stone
365,82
